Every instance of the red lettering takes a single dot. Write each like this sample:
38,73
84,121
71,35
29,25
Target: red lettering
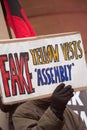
18,69
28,74
5,75
18,78
14,76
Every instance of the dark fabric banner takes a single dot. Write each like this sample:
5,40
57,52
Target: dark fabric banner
16,19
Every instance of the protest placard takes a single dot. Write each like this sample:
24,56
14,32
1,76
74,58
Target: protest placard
33,67
78,104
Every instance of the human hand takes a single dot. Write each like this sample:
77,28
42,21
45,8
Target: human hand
59,99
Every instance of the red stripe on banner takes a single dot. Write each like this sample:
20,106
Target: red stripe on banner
27,22
21,27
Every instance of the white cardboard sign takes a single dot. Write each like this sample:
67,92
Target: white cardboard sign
32,68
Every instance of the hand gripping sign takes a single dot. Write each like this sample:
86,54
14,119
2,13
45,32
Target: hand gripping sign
32,68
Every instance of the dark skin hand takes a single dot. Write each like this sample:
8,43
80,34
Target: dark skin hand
61,95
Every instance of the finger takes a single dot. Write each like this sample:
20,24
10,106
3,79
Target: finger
68,96
64,90
66,100
59,87
66,93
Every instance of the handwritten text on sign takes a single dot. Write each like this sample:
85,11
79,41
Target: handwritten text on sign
32,68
